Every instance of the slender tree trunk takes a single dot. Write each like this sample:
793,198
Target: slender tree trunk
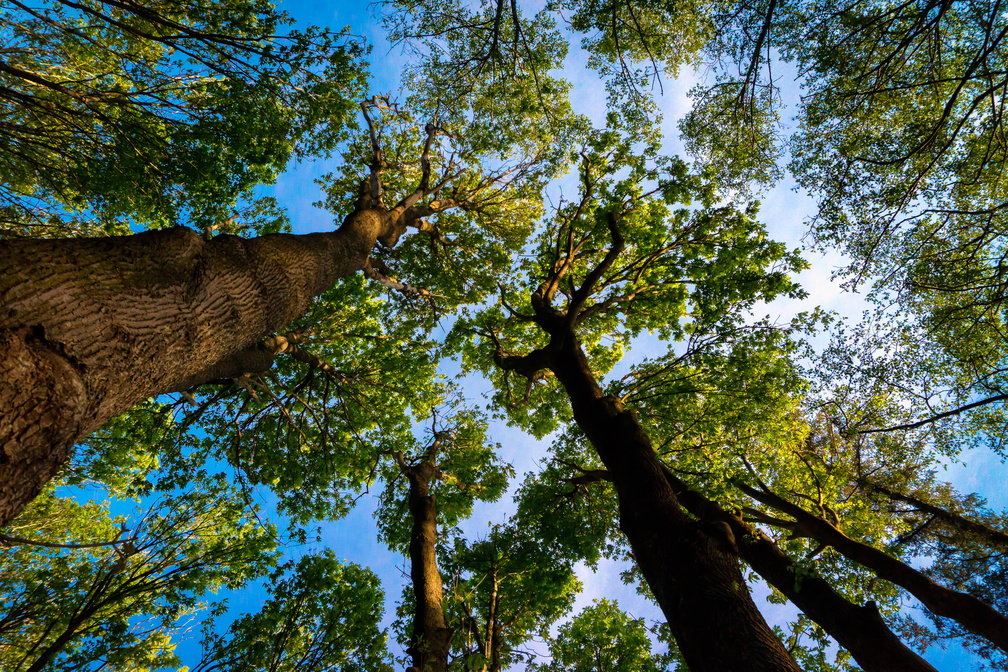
859,629
692,569
493,627
431,637
91,327
970,612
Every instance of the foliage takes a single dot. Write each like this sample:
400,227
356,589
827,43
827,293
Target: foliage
602,637
156,114
321,615
503,590
120,116
113,590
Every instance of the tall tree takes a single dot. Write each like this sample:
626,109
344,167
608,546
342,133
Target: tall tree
459,457
618,246
96,325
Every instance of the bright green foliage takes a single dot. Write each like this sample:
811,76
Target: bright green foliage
501,591
159,113
603,638
732,131
487,201
887,490
903,137
900,140
469,470
119,604
902,119
685,273
321,616
726,403
488,72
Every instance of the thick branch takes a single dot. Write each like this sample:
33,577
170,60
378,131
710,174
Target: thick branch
591,279
859,629
973,614
988,534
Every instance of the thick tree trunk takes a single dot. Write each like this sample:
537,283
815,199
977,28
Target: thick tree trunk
692,569
859,629
91,327
431,637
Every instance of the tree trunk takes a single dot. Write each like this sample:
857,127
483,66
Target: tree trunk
431,637
91,327
859,629
692,569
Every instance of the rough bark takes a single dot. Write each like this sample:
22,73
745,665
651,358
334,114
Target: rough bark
91,327
973,614
859,629
430,640
692,570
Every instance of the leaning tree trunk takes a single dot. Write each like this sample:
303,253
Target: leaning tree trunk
692,569
858,628
91,327
969,611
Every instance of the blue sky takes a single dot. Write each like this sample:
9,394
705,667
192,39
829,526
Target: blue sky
785,211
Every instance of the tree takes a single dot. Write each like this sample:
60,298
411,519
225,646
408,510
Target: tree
615,245
458,453
90,345
602,638
159,114
87,593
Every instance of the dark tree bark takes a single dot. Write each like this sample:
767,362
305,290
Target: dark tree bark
973,614
90,327
430,640
692,569
494,629
859,629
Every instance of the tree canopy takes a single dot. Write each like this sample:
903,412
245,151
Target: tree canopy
193,394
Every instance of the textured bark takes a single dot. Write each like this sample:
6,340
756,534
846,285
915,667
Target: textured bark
859,629
692,569
431,637
973,614
91,327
